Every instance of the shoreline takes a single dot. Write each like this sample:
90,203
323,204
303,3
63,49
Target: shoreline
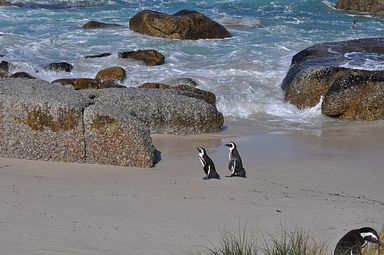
325,182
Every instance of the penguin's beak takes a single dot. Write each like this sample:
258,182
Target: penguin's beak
227,144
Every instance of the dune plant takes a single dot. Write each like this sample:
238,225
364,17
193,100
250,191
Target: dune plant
295,242
241,243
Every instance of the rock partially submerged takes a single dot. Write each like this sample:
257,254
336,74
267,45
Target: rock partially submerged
101,55
184,24
88,83
317,72
115,73
59,67
149,57
375,7
4,68
23,75
5,3
99,25
356,97
106,78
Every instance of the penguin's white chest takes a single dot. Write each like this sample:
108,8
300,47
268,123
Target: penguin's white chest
202,161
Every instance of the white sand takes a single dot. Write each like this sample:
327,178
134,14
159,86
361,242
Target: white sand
325,182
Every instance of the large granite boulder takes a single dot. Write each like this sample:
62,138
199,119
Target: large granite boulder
163,111
47,122
314,70
356,97
41,121
375,7
184,24
149,57
115,137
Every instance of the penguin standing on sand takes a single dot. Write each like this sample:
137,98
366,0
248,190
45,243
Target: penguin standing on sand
208,165
353,241
235,164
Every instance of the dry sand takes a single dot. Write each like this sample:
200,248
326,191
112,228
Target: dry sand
323,181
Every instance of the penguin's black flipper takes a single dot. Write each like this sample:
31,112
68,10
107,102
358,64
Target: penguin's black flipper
206,168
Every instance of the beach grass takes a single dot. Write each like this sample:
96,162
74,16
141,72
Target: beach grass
295,242
241,243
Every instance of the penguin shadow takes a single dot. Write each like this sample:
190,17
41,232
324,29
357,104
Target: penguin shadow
235,164
157,156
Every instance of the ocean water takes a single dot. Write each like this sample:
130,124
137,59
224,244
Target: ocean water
245,71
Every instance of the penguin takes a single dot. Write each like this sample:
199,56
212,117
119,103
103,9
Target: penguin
354,24
353,241
235,164
208,165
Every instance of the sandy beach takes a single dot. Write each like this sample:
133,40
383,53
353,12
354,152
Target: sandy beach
322,181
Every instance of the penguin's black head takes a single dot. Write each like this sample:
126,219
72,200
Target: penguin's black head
201,150
370,235
231,145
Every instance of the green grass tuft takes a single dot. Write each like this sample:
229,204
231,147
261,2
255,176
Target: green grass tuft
289,243
293,243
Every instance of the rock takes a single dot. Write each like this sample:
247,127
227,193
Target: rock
375,7
150,57
60,66
154,85
185,90
5,3
163,111
4,68
184,24
41,121
314,69
88,83
115,137
189,91
23,75
98,25
356,97
102,55
112,74
46,122
183,81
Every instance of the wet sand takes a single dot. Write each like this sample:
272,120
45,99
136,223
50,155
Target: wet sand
322,181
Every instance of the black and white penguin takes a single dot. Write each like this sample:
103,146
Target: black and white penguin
235,164
353,241
208,165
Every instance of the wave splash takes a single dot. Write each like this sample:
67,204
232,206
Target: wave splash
57,4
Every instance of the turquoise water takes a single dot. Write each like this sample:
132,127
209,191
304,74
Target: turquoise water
244,71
